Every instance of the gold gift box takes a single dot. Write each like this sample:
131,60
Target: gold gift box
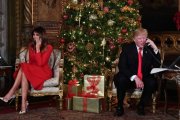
68,103
93,104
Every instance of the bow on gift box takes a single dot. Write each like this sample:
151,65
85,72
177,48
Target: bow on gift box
177,20
87,95
72,83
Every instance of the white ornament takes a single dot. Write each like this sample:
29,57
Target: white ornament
110,22
74,1
93,17
103,43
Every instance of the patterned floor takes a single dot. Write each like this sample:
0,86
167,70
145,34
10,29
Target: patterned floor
52,113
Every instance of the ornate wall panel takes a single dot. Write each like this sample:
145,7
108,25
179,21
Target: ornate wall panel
3,29
47,13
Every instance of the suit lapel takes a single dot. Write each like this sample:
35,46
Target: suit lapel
135,53
145,58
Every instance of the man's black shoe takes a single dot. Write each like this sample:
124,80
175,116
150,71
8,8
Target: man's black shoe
119,112
140,110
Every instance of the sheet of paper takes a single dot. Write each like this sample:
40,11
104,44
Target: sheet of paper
157,70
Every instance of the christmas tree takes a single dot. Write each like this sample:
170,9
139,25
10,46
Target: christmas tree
93,32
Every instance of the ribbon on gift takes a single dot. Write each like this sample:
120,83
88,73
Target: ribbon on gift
86,95
93,81
71,83
84,104
176,19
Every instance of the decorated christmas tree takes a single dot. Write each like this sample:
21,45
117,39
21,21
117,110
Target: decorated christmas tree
92,33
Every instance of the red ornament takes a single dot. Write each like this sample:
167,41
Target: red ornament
65,17
124,30
130,2
120,40
62,40
112,46
71,47
106,9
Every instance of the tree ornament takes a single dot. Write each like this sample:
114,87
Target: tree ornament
110,22
62,40
120,40
112,46
71,47
89,47
92,17
106,9
130,2
74,1
103,43
124,30
92,32
65,16
108,59
90,25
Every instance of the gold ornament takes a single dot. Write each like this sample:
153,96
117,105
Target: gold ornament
89,47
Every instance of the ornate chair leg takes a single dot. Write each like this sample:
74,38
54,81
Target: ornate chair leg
178,91
61,99
110,104
154,97
17,100
109,95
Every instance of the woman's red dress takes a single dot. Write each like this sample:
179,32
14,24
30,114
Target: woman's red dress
37,70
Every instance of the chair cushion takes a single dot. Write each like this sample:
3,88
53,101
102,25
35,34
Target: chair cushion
135,93
46,90
54,81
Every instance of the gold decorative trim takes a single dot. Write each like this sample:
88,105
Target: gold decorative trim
28,12
17,23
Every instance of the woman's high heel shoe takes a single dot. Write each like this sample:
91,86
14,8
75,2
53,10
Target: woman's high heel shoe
25,111
6,100
22,112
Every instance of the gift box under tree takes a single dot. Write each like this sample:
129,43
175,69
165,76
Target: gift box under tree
92,98
73,88
94,84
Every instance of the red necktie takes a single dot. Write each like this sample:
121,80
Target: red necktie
139,74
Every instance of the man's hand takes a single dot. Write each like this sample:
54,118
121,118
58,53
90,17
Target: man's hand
139,82
152,44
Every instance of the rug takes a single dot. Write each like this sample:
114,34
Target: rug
52,113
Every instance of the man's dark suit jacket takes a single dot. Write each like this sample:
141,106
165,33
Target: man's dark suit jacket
128,62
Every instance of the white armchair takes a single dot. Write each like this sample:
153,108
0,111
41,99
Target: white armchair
52,86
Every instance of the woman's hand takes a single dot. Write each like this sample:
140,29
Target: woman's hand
38,45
